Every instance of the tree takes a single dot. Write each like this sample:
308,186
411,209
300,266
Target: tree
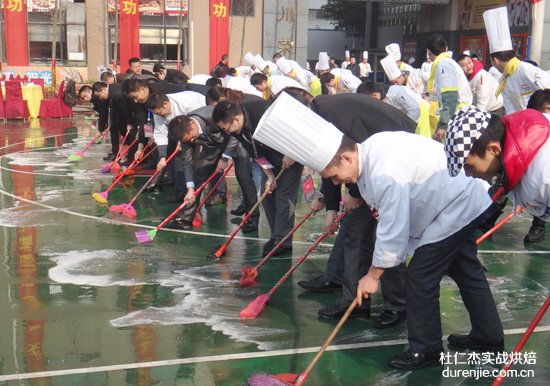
347,16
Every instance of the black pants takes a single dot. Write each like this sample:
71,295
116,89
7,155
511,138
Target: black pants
455,256
243,173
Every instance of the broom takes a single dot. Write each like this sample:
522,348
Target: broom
217,252
147,236
299,379
249,274
197,221
107,167
127,209
257,305
496,227
80,154
103,196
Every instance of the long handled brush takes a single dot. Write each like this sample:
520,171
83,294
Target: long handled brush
127,209
249,273
257,305
102,197
522,341
107,167
217,252
147,236
115,165
213,189
299,379
487,234
80,154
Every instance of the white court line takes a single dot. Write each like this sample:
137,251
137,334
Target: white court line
224,357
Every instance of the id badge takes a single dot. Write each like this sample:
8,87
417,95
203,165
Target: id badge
308,188
148,130
264,164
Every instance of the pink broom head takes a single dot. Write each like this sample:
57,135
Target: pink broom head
105,169
116,208
272,380
255,307
145,237
249,275
115,168
197,220
129,211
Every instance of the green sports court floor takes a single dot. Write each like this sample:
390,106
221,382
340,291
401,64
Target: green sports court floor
83,303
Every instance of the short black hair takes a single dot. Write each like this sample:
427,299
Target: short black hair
225,111
178,126
133,85
106,75
232,71
157,67
494,133
156,100
436,44
326,77
135,59
462,57
539,100
503,56
84,89
211,82
98,86
257,78
369,87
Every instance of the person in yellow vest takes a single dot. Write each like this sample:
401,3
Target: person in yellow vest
406,100
413,75
292,69
448,81
270,86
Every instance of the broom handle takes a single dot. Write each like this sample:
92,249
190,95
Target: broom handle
214,188
302,377
304,256
263,261
523,340
245,219
184,203
151,178
120,147
96,136
123,174
495,228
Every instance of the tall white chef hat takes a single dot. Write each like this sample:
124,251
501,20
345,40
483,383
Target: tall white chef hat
365,54
346,54
394,50
294,130
285,67
249,58
498,31
259,62
390,68
323,61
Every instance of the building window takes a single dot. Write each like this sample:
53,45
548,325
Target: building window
242,8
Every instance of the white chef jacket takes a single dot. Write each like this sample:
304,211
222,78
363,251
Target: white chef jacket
483,87
521,85
406,100
449,76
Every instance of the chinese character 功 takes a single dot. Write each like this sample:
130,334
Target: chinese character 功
15,5
129,7
220,10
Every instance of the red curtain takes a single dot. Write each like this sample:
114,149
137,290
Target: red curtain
128,31
15,21
219,30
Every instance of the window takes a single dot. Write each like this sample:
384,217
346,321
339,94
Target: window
242,8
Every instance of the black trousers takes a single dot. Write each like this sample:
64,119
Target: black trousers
243,173
455,256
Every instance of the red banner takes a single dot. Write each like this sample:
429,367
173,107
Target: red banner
219,30
15,20
128,31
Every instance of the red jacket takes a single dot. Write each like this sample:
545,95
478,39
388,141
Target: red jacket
526,132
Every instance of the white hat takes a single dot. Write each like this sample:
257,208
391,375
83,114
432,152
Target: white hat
101,69
284,66
323,62
294,130
390,68
498,32
365,54
249,58
259,62
347,54
394,50
467,52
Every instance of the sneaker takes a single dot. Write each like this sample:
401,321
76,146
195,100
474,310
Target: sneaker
180,222
467,342
410,360
536,234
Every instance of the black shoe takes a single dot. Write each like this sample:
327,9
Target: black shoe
176,197
410,360
466,341
338,310
283,249
390,318
536,234
250,226
109,157
181,223
238,211
319,284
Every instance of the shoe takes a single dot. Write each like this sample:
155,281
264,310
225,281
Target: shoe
268,246
338,310
109,157
238,211
181,223
466,341
390,318
156,184
216,199
536,234
175,198
410,360
319,284
250,226
283,249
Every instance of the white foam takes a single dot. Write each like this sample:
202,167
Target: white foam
24,215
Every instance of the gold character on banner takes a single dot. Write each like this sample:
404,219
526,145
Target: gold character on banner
219,10
129,7
15,5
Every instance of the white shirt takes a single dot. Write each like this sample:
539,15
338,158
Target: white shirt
483,87
450,77
405,100
403,178
521,85
364,69
348,81
414,78
279,82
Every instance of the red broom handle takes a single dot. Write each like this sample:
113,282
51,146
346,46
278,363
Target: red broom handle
136,162
304,256
484,237
132,165
523,340
211,192
183,204
121,146
96,136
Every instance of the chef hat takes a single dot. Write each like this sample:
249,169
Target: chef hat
464,128
297,132
249,58
365,54
259,62
390,68
394,50
467,52
323,61
284,66
498,32
101,69
347,54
